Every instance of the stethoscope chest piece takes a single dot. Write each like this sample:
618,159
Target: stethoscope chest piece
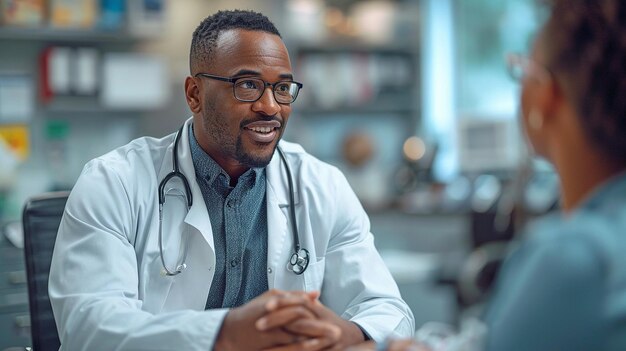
299,261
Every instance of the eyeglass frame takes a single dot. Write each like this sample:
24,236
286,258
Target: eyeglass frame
525,62
233,81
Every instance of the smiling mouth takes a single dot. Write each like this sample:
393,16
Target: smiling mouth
262,134
262,130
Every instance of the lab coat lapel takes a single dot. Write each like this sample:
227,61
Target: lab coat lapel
198,216
279,234
193,284
276,220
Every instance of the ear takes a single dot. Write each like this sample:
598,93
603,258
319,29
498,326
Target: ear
551,98
192,94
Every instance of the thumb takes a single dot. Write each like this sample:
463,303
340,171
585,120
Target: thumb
313,295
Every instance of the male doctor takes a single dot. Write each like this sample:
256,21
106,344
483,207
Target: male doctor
198,241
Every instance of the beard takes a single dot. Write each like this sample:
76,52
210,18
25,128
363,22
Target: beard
253,160
216,126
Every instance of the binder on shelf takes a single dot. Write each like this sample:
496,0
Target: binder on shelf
69,72
17,97
146,17
112,14
22,13
86,75
73,13
133,81
55,67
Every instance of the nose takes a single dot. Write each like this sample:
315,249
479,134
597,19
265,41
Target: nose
266,104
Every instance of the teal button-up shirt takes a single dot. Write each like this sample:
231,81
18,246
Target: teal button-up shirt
564,287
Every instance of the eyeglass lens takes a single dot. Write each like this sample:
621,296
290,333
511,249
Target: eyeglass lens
252,89
517,67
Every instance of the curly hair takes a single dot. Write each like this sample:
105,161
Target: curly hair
205,36
586,51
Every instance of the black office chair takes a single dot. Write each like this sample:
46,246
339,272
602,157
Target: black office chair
41,219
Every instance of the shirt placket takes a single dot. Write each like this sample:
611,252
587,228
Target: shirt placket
234,247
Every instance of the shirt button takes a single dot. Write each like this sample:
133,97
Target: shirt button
230,203
269,270
234,262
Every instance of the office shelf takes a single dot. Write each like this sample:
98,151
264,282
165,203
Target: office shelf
354,46
83,105
78,35
357,109
383,74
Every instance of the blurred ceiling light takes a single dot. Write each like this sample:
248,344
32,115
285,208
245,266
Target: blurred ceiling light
334,17
414,148
350,28
305,20
305,7
374,20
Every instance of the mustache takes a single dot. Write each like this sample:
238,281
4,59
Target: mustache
262,118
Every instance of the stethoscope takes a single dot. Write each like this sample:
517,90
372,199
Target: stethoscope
299,259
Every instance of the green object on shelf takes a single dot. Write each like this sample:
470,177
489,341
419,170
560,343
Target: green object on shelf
57,130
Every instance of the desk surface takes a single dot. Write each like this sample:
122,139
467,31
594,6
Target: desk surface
438,235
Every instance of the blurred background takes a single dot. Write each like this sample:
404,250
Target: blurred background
411,99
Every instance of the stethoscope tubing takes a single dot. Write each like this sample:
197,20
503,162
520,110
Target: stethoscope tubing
175,173
298,262
299,259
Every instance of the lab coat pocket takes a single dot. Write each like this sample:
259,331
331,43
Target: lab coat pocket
157,286
314,275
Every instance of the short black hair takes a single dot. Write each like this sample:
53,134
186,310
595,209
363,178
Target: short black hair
205,36
586,50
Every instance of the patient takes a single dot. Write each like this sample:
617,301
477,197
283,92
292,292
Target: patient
564,287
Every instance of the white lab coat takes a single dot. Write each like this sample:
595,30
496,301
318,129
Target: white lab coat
106,287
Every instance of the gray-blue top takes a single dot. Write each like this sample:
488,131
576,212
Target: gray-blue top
564,288
239,221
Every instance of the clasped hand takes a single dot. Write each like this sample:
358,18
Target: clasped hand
285,321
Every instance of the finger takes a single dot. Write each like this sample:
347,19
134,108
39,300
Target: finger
319,309
314,344
365,346
279,336
314,328
405,345
282,317
313,295
283,293
287,299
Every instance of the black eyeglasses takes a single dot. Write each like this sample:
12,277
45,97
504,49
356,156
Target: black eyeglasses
520,67
249,89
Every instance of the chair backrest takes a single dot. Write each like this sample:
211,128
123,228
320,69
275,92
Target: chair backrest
41,219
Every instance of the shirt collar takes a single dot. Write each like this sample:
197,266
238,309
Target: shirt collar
206,167
613,190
